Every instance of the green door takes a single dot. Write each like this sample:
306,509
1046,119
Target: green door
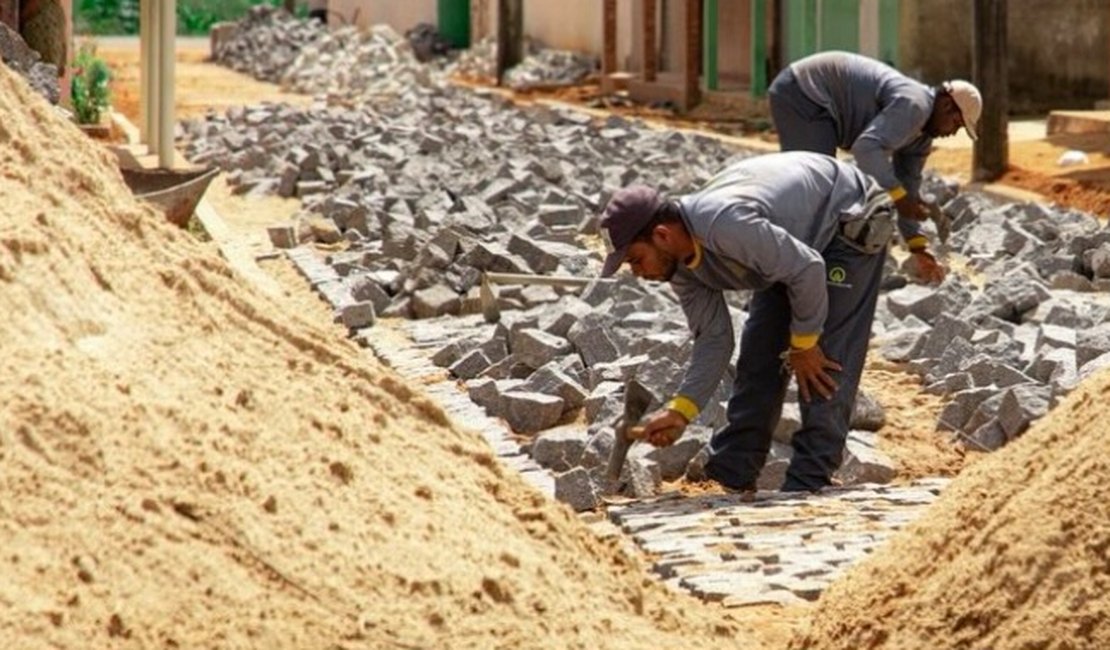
888,31
454,22
839,25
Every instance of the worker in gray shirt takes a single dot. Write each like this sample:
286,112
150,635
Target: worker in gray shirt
886,119
808,234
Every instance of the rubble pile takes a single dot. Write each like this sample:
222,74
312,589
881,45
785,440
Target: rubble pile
42,77
540,65
427,43
267,41
551,68
1003,354
479,61
435,186
348,64
432,190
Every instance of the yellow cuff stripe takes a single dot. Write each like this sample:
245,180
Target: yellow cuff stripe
917,243
803,341
684,406
897,193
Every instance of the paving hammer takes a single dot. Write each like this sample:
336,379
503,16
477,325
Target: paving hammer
938,217
637,399
488,293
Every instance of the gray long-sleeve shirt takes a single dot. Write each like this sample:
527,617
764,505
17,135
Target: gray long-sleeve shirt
761,221
879,114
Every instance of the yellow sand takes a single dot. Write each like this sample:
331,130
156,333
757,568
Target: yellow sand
1015,554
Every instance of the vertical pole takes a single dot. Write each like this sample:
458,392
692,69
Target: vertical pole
166,84
608,38
510,31
759,48
776,36
691,68
152,48
990,157
144,70
651,59
709,56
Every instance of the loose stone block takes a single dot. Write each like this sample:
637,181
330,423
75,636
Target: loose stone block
559,449
536,348
576,489
435,301
357,315
530,412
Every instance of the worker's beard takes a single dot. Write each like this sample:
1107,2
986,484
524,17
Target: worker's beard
669,264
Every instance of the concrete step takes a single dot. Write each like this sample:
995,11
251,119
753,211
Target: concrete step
1078,122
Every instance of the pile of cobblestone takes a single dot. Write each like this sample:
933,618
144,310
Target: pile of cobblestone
306,57
426,42
265,43
551,68
433,186
1034,323
349,64
540,66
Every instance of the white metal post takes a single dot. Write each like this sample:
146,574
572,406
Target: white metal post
165,88
144,71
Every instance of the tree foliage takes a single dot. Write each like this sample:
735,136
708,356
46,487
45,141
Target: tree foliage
194,17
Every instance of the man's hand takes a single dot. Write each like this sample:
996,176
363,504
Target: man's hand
910,208
926,268
809,367
661,428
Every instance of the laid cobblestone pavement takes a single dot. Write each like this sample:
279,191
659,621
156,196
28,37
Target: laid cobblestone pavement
779,548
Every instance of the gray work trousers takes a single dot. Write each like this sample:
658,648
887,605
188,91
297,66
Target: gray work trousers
738,451
801,123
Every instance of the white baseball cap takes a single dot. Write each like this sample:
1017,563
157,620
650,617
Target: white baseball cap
969,101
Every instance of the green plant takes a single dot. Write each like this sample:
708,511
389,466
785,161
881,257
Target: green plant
195,17
88,91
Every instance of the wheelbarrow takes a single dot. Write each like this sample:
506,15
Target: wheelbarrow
175,192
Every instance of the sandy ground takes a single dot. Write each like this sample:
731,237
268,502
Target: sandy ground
1015,553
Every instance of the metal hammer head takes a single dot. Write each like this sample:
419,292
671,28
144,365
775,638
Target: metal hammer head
487,293
941,220
637,399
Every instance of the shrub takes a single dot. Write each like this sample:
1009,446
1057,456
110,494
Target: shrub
194,17
88,91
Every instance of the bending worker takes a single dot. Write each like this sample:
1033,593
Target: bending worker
886,119
809,234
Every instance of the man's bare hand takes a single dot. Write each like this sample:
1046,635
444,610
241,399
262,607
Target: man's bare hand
927,269
810,366
661,428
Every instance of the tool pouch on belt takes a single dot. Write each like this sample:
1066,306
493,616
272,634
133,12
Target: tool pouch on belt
872,232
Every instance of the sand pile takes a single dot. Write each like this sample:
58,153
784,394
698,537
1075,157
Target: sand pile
1015,554
184,465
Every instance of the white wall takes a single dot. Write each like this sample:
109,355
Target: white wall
565,24
560,24
401,15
